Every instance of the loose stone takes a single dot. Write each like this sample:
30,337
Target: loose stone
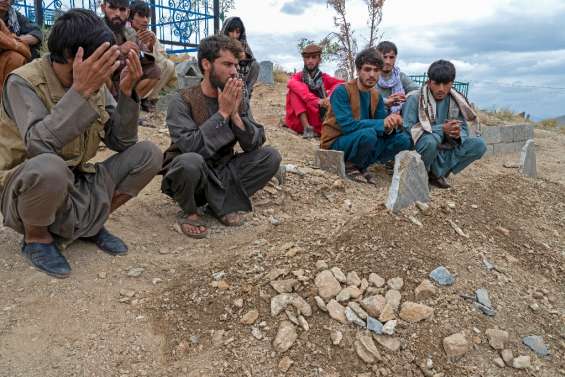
390,343
373,305
413,312
442,276
353,318
336,311
250,317
327,284
376,280
456,346
425,290
396,283
339,275
285,338
374,325
353,279
497,338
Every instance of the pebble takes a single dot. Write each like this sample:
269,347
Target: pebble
358,310
538,295
451,205
366,349
281,301
339,275
336,311
353,318
303,323
425,290
348,293
393,298
321,304
497,338
156,281
534,307
276,273
414,312
336,336
256,332
127,293
387,314
374,325
373,305
321,265
285,338
503,231
353,279
364,285
536,344
285,364
222,284
499,362
507,356
424,208
415,221
521,362
327,284
456,345
250,317
390,343
483,297
389,327
395,283
376,280
284,286
102,275
275,221
238,303
442,276
292,317
135,272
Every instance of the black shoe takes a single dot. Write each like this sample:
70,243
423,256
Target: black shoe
46,257
149,105
436,181
108,243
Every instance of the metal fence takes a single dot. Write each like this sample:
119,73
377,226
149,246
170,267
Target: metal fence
462,87
179,24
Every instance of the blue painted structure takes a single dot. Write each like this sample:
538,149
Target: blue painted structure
179,24
461,87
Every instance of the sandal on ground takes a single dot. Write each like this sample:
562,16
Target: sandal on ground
183,220
231,219
369,177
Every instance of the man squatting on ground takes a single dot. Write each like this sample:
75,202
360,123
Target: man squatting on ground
116,14
19,40
358,124
438,117
205,123
55,112
307,100
139,20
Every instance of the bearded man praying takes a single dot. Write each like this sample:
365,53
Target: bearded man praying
205,123
307,99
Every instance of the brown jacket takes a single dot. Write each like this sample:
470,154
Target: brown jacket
330,128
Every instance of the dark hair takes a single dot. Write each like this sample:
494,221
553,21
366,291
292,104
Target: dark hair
77,28
236,23
386,47
369,56
442,72
117,3
210,48
139,7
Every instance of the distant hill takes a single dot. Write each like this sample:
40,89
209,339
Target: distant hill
561,120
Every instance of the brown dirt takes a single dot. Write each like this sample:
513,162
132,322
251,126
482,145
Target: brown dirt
172,327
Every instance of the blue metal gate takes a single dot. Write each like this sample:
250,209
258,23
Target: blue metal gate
179,24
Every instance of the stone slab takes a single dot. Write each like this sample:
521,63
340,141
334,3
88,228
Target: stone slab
266,72
188,74
528,163
505,148
523,132
490,150
491,135
330,161
506,134
409,182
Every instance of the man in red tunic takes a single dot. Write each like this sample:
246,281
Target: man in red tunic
307,98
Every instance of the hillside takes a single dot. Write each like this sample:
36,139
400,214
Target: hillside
176,306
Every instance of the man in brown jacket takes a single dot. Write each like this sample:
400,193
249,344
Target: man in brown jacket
54,114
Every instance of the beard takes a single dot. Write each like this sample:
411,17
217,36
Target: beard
368,83
315,68
215,80
116,24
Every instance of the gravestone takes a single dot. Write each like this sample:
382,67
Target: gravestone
528,159
188,74
409,182
341,74
330,161
266,73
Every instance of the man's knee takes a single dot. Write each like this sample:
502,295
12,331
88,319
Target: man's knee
367,138
427,144
477,147
403,141
151,157
189,164
47,171
272,159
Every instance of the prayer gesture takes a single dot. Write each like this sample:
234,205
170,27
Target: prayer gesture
392,122
325,102
230,97
89,75
395,99
131,74
452,128
127,46
147,37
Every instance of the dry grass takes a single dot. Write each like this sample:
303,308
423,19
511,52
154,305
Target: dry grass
501,116
280,75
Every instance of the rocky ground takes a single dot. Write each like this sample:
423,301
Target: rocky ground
291,292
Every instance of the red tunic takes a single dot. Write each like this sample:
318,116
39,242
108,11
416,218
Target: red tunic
299,99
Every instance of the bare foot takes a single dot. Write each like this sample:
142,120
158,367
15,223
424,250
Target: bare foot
231,219
192,226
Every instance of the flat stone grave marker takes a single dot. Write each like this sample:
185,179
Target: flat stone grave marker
409,182
528,159
266,72
331,161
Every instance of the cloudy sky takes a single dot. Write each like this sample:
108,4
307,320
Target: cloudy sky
511,51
